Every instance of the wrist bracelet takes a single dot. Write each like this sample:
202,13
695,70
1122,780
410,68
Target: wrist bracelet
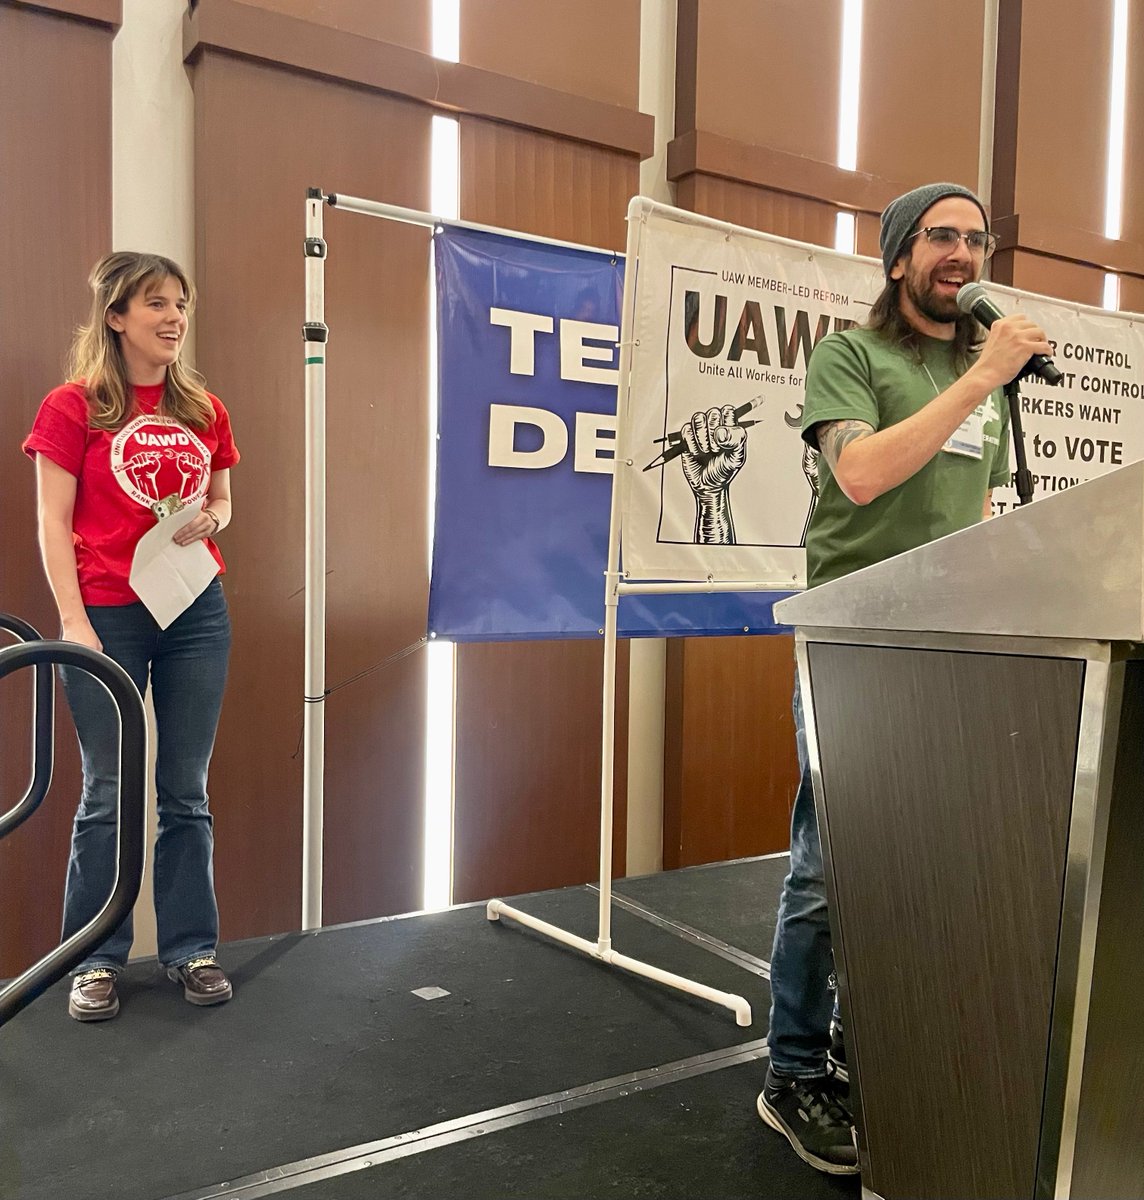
214,517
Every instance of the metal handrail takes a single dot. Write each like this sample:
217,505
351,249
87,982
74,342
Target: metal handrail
43,731
130,812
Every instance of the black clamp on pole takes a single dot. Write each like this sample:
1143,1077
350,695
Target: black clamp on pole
314,247
1022,480
315,331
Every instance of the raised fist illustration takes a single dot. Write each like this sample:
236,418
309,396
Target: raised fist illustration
143,470
191,468
715,449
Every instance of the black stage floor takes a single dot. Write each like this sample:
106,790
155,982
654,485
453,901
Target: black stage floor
541,1073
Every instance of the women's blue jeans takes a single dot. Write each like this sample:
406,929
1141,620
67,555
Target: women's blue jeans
186,667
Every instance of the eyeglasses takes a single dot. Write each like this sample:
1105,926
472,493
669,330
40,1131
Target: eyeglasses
979,243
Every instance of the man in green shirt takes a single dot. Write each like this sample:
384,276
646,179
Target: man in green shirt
913,435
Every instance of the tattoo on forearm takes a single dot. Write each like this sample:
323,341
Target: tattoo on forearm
835,436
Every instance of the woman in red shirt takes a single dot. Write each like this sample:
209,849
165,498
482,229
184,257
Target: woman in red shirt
134,426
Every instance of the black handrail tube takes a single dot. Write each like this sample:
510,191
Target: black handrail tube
43,731
131,814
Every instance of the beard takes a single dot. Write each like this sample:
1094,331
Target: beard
928,302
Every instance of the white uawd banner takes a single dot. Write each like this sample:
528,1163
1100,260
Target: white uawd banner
724,322
716,482
1094,421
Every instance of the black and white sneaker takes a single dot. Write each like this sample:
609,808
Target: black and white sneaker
808,1113
836,1055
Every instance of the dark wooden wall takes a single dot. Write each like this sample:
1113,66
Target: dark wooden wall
1049,161
252,171
55,189
527,804
339,94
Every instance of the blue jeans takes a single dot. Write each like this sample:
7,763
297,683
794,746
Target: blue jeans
802,964
187,664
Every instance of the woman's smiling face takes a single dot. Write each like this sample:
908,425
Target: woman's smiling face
152,329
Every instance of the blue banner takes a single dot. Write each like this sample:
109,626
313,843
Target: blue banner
527,368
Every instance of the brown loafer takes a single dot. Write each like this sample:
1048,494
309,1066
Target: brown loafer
93,996
203,980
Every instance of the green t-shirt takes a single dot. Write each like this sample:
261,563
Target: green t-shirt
858,375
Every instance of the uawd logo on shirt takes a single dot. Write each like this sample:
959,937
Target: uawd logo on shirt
155,456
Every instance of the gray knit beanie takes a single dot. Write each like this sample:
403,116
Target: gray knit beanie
902,215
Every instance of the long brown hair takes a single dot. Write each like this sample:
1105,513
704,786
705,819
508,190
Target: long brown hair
96,357
887,318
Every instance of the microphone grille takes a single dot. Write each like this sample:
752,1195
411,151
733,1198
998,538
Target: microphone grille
968,295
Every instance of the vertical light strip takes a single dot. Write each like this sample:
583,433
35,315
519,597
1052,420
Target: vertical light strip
1117,104
447,30
848,89
439,748
845,232
445,168
988,123
1114,180
444,201
849,79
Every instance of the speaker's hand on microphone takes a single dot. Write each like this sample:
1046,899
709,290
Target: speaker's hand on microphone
1009,345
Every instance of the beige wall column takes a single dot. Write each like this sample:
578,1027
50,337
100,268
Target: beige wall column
648,662
152,208
55,174
152,134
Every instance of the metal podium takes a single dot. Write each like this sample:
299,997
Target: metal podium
975,721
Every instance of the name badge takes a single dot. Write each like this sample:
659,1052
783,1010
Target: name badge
967,439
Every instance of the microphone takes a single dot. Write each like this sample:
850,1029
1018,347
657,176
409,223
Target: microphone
974,300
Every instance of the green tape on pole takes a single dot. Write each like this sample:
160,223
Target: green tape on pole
314,360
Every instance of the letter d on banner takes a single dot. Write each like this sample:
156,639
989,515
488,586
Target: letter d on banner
503,420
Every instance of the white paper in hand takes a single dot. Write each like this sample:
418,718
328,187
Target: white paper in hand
170,578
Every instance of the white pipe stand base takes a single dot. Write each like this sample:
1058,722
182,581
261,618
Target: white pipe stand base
737,1004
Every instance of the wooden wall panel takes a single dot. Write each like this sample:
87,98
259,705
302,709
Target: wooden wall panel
584,47
267,34
759,208
108,13
1131,294
253,164
528,713
528,767
1051,133
55,188
766,74
1062,115
731,758
906,132
868,231
757,96
544,185
403,22
1050,276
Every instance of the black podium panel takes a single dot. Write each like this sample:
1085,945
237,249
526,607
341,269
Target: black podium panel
947,780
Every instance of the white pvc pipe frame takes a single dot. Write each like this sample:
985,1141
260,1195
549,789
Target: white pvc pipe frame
314,728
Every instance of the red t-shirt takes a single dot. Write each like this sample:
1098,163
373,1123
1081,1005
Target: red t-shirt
121,473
